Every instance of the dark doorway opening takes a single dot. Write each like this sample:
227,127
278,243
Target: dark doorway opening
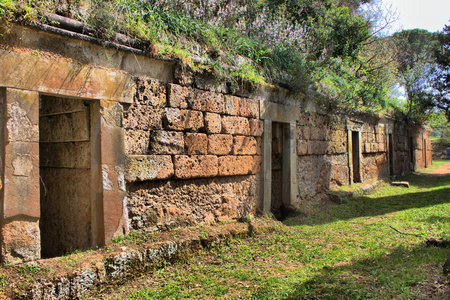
391,154
65,173
356,157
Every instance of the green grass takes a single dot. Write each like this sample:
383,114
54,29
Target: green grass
349,252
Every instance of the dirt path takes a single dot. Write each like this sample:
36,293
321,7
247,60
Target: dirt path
442,170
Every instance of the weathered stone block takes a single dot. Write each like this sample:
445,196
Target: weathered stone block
220,144
248,108
302,147
143,117
231,105
370,147
259,145
213,123
236,165
256,127
195,166
317,133
256,166
317,147
21,170
244,145
183,120
178,95
207,101
137,141
166,142
20,242
149,167
336,147
306,132
150,92
235,125
22,111
196,143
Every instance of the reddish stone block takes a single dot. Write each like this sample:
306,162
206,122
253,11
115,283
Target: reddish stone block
183,120
150,92
235,125
213,123
248,108
244,145
142,117
114,214
196,143
232,105
256,166
195,166
166,142
259,145
20,241
256,127
235,165
207,101
220,144
137,142
178,95
22,116
21,193
149,167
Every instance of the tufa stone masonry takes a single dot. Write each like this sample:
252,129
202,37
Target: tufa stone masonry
98,141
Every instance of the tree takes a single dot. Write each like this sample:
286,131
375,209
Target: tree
442,79
416,71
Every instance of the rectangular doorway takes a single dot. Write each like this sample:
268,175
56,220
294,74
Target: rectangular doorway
65,175
356,157
276,203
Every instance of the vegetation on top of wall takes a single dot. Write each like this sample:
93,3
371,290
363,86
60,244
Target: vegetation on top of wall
329,46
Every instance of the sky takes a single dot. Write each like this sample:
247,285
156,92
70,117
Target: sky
431,15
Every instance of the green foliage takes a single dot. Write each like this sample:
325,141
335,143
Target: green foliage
297,44
442,82
4,280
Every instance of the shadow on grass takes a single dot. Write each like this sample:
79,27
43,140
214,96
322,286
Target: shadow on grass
391,275
364,206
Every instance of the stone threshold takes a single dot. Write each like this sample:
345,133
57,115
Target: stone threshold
79,274
340,196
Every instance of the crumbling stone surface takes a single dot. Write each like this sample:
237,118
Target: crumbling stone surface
220,144
235,125
213,123
195,166
166,142
183,120
244,145
20,241
196,143
155,205
149,167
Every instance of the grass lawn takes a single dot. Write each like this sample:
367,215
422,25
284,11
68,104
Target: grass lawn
347,251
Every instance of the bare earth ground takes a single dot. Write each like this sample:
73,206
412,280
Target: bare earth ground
442,170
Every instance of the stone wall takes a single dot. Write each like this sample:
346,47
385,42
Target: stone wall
169,146
175,135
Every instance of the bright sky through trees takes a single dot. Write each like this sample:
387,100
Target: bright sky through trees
431,15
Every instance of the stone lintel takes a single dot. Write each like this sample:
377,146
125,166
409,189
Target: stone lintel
278,113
